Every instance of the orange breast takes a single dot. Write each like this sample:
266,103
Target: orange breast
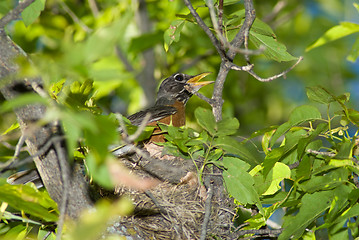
178,119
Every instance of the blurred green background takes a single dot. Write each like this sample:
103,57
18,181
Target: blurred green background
118,43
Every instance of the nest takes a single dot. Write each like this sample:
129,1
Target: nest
171,210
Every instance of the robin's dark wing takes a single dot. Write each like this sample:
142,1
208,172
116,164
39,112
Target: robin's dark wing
157,113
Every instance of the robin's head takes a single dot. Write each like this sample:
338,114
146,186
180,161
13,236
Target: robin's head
180,87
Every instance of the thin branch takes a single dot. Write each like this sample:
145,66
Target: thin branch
242,68
124,59
75,18
220,15
328,154
276,9
18,147
207,212
205,28
29,159
261,233
93,7
204,98
239,39
218,29
15,13
140,128
275,76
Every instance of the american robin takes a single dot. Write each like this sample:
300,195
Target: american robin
172,96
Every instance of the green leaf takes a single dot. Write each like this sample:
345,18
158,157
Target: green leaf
106,127
57,87
145,41
98,171
206,120
239,182
92,223
354,52
334,33
262,28
13,126
319,94
298,115
273,49
227,126
21,101
329,181
279,172
304,142
232,146
32,12
266,140
30,200
304,113
173,33
353,116
313,205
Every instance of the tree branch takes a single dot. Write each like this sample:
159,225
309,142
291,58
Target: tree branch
205,28
15,13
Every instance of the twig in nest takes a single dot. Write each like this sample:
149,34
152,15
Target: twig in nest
207,212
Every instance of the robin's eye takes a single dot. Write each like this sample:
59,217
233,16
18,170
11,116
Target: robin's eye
178,77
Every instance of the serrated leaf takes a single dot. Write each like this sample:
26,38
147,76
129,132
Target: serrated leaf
273,49
334,33
319,94
32,12
173,33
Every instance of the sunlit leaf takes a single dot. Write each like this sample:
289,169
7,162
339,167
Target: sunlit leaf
173,33
334,33
298,115
279,172
30,200
354,52
32,12
313,205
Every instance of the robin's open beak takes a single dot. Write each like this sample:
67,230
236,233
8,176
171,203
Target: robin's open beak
194,81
